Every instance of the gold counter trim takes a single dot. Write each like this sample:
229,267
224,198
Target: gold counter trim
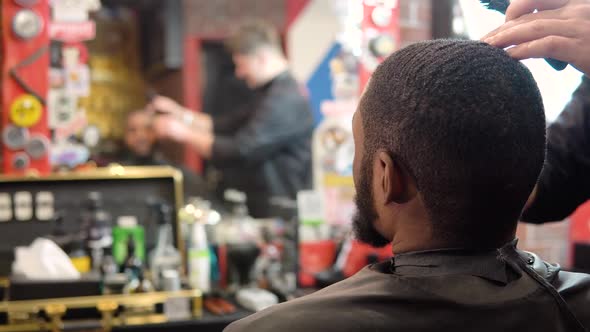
93,301
106,304
102,173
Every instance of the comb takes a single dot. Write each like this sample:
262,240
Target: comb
501,6
497,5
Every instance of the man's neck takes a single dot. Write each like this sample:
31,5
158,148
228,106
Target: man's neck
413,230
402,244
278,67
405,243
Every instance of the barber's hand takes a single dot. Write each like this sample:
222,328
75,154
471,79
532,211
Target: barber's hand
559,30
165,105
168,127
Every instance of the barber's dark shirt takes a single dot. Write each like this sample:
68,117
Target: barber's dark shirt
444,290
564,183
265,150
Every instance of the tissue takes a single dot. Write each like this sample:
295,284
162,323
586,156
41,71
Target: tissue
43,260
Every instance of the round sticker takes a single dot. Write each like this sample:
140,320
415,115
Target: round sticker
20,161
381,16
27,24
15,137
382,45
37,146
25,111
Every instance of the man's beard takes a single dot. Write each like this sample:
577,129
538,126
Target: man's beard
363,221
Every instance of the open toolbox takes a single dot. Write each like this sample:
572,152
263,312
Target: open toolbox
27,205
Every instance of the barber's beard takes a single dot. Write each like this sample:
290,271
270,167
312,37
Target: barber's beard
363,221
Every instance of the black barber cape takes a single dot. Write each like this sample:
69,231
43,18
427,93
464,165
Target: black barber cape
443,290
564,183
264,149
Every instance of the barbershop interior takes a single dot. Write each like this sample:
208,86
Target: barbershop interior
294,165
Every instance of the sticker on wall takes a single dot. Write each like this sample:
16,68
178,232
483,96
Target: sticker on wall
55,54
381,16
70,57
78,80
62,108
27,24
20,161
377,46
37,147
5,207
25,111
15,137
91,136
72,32
26,62
382,45
57,78
23,206
78,123
73,10
65,153
74,54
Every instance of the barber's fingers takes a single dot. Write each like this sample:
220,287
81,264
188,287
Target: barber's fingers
556,47
160,126
168,127
518,8
544,15
572,50
150,109
534,30
164,125
165,105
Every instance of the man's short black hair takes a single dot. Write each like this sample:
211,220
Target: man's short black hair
468,123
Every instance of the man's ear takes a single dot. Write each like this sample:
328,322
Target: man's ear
395,183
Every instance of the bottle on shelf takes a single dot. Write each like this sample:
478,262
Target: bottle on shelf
133,265
99,229
109,267
138,284
165,256
239,227
199,264
79,256
133,269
